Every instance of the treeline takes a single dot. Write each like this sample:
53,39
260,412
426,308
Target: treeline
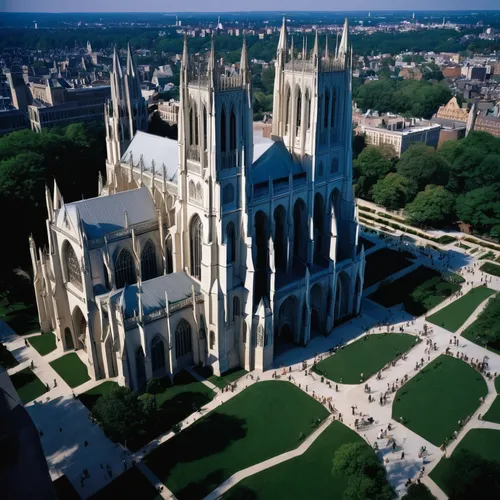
28,161
460,181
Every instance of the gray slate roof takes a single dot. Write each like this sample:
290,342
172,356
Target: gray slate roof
275,163
176,285
152,147
106,214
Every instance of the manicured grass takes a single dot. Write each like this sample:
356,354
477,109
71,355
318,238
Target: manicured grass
21,317
484,442
64,489
7,359
367,355
383,263
174,403
44,343
225,379
418,291
453,277
28,385
493,414
306,476
453,316
263,421
71,369
488,256
497,384
444,392
490,268
89,398
131,484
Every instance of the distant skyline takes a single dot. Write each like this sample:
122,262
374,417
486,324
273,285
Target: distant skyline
67,6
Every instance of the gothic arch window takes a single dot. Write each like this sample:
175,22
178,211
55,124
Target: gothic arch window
327,109
308,110
236,307
199,195
232,131
168,255
157,354
192,190
334,102
124,269
194,125
74,274
334,166
230,242
244,332
212,339
148,261
228,194
140,367
298,119
204,145
288,108
195,238
223,129
182,339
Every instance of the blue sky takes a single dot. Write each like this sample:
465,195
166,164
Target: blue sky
232,5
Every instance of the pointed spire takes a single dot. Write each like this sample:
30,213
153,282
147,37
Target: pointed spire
58,199
292,49
327,54
244,61
282,44
336,46
48,200
185,53
211,59
117,67
130,61
315,52
344,41
304,47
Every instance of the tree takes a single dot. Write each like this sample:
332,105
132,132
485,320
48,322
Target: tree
369,167
120,413
418,491
480,207
365,475
422,164
394,191
434,206
148,405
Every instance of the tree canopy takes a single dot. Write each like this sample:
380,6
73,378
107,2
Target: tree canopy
370,166
394,191
434,206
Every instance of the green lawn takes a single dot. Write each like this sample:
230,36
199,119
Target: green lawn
384,263
306,476
7,359
484,442
89,398
366,356
419,291
263,421
490,268
453,316
497,384
493,414
21,317
174,403
71,369
28,385
444,392
131,484
225,379
44,343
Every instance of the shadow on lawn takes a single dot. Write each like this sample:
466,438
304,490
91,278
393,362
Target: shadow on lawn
209,436
23,321
22,378
240,492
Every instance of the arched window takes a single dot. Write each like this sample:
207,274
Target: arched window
298,119
73,267
196,237
182,339
157,354
148,262
168,255
335,166
204,145
194,125
308,110
244,332
140,368
327,109
192,190
212,339
199,195
124,269
232,131
288,107
236,307
334,102
223,130
228,194
230,243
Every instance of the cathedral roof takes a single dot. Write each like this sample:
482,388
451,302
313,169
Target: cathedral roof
178,286
106,214
161,150
274,163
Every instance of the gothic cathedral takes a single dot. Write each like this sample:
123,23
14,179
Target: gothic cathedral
218,249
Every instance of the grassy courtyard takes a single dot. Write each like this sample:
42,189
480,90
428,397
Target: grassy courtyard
493,414
367,356
383,263
484,331
484,442
418,291
27,385
453,316
490,268
89,398
174,403
306,476
444,392
263,421
44,343
131,484
21,317
71,369
225,379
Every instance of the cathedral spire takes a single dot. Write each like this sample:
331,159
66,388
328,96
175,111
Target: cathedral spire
117,67
327,55
336,53
304,47
131,70
185,53
48,200
244,61
344,41
315,51
282,44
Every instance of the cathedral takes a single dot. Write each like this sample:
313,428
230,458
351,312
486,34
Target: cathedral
219,249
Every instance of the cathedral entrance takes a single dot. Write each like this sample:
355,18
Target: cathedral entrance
68,339
80,326
285,335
